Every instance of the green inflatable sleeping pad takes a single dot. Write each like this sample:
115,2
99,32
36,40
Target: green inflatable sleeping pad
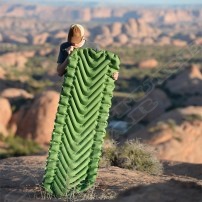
80,123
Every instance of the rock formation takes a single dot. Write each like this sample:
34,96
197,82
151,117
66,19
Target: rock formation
36,121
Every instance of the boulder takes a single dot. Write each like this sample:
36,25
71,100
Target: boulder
3,131
61,35
173,16
162,101
121,39
16,11
149,16
147,41
5,111
193,101
147,108
105,31
36,121
101,12
179,43
187,82
45,52
16,59
13,59
103,41
16,119
176,135
146,30
28,54
15,93
148,64
198,41
2,73
115,29
133,26
85,14
40,39
134,41
1,37
165,40
15,38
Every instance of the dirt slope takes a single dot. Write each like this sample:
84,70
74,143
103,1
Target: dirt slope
20,179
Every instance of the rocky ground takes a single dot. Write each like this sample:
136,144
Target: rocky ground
20,180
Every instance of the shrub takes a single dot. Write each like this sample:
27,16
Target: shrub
170,123
17,146
132,155
193,117
108,153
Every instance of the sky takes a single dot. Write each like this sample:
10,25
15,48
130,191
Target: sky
147,2
167,1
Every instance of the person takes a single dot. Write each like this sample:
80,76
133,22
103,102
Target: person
75,39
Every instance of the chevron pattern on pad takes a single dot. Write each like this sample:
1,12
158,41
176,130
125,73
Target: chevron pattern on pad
80,123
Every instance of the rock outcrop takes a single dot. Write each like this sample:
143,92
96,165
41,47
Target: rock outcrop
15,93
40,38
15,59
147,108
15,38
175,134
2,73
189,82
194,101
5,115
36,24
171,16
179,43
22,177
36,121
148,64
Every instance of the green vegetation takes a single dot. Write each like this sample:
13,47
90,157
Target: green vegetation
170,123
132,155
134,96
17,146
170,58
32,81
34,76
193,117
163,54
108,153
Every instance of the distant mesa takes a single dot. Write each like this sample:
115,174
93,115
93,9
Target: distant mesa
128,26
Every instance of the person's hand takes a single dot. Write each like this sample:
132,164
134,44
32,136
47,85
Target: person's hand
70,49
115,75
